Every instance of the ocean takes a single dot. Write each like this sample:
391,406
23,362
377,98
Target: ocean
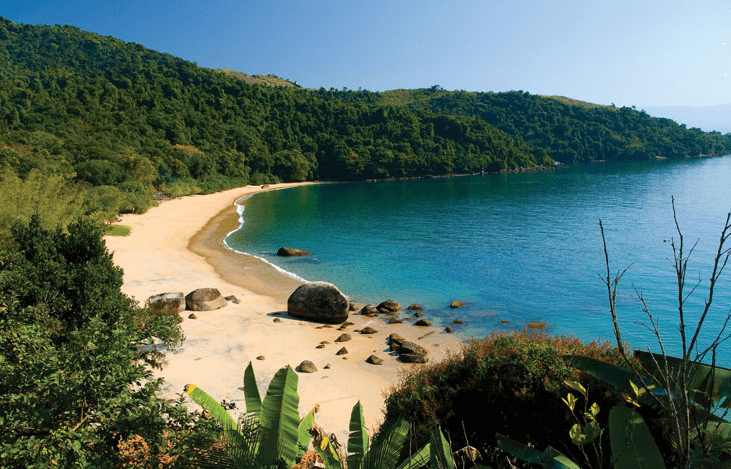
516,248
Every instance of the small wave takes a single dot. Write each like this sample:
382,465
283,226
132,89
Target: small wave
240,211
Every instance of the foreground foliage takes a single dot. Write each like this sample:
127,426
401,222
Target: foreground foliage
506,383
74,390
271,434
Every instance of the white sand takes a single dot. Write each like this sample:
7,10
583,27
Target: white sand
158,257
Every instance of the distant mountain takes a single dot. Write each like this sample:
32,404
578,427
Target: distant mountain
707,118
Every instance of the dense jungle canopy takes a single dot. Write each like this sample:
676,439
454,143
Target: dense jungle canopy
118,122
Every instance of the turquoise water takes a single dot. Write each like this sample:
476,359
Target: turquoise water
514,247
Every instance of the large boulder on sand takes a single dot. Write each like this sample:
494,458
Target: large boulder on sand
205,299
173,302
318,301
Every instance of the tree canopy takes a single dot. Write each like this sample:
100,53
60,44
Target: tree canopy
104,113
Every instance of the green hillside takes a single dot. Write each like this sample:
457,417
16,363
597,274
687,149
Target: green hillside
120,121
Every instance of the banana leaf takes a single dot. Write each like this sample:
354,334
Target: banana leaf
712,380
611,374
219,414
328,454
418,460
251,391
440,454
358,438
631,441
209,404
280,418
303,433
551,458
385,452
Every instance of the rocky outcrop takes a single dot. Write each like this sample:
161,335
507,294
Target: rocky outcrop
318,301
173,302
456,304
204,299
292,252
423,322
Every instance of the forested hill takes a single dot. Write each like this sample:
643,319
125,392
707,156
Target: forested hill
121,120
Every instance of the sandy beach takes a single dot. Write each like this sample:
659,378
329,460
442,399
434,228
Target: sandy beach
178,247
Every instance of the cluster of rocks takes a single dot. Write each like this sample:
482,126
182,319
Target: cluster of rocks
324,303
408,352
202,299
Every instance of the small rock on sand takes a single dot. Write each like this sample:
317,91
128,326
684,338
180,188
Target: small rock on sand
307,367
374,360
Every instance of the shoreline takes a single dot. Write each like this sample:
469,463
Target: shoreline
178,246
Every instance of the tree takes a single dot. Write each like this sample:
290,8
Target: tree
73,384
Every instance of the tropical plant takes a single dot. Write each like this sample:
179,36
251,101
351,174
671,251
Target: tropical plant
271,433
631,442
692,391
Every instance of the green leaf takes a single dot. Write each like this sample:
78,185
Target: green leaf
554,459
218,413
576,386
303,432
606,372
581,436
631,442
328,454
251,391
713,380
519,450
385,452
440,455
358,438
280,418
551,458
420,459
570,401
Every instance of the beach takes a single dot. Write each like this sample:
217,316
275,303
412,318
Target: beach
178,247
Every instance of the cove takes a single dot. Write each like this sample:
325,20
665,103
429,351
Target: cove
516,248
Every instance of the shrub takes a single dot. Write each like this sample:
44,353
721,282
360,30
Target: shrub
507,383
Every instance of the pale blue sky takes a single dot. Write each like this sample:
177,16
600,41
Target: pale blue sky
642,53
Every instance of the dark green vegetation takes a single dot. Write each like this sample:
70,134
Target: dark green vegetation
518,381
120,121
74,388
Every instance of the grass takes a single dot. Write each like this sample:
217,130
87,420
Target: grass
116,230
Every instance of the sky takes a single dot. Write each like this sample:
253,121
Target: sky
630,53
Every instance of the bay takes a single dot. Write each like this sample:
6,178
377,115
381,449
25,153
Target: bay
517,248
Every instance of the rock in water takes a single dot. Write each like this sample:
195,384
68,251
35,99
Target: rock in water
204,299
318,301
456,304
168,302
290,252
